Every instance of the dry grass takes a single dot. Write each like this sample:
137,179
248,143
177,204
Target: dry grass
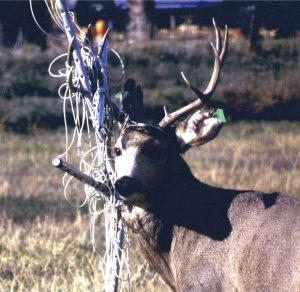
44,242
262,156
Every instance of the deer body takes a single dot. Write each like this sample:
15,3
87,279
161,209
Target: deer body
199,237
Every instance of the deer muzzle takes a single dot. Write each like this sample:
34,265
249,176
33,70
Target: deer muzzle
127,186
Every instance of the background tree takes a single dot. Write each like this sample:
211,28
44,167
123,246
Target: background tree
140,13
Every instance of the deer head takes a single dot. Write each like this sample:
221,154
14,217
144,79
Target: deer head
142,151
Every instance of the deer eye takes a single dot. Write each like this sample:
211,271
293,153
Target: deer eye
118,151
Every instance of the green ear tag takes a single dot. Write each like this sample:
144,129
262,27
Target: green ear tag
121,95
219,114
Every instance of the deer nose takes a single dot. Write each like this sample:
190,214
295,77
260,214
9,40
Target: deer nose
126,186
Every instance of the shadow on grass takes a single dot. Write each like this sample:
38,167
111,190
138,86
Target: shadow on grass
22,210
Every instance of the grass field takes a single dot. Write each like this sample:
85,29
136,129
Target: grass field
44,241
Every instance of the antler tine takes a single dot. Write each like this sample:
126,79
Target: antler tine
217,66
213,81
203,96
215,75
218,35
218,41
196,90
225,46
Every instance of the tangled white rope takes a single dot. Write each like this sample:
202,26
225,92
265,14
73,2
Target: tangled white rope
88,151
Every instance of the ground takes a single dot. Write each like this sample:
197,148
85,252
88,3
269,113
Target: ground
44,241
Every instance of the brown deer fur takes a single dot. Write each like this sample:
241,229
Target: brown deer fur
199,237
202,238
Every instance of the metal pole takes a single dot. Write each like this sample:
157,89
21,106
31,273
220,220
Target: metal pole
79,64
97,123
88,180
115,268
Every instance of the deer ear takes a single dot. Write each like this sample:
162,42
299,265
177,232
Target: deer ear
132,103
200,128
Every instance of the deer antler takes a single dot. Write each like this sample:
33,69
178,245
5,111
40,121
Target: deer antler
219,53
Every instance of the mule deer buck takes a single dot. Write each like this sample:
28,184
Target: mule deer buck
199,237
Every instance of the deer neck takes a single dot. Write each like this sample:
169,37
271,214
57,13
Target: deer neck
182,200
179,201
153,232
